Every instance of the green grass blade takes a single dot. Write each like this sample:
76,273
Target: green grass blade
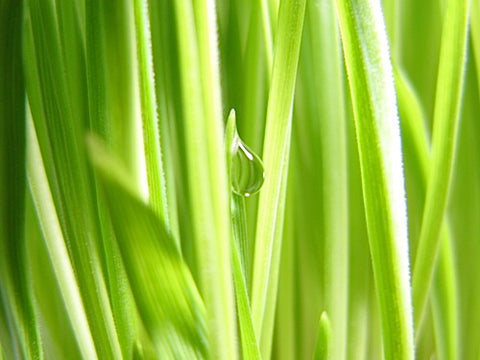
373,96
103,122
56,245
166,296
249,344
324,338
446,116
16,292
275,157
240,255
475,33
151,132
444,292
444,301
59,126
207,170
327,108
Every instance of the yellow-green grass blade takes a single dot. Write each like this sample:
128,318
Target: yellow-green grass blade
240,255
275,157
151,133
59,126
161,23
16,294
416,145
207,170
378,136
56,246
475,34
166,296
446,119
325,92
324,338
464,215
249,344
420,27
99,21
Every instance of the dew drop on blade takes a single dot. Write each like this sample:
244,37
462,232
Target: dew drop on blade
246,169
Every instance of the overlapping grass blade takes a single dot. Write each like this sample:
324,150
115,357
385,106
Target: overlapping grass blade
207,171
240,256
446,118
59,126
275,156
167,298
151,134
56,246
373,96
15,281
104,122
444,299
326,105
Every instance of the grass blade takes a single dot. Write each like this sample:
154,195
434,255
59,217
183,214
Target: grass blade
446,119
324,338
16,293
444,294
57,249
151,133
275,156
166,296
373,96
207,170
240,255
59,124
327,108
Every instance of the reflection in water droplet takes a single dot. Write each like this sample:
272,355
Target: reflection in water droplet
246,169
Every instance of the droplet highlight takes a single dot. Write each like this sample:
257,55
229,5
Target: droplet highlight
247,173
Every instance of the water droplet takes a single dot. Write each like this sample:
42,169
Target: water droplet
246,168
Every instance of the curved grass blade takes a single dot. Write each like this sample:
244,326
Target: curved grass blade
446,118
373,96
167,298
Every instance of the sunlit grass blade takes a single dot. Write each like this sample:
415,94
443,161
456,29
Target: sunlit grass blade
475,34
167,298
207,170
444,297
324,338
16,296
240,254
275,157
151,134
373,96
446,119
327,109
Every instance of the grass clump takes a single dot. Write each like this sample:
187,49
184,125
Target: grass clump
332,214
